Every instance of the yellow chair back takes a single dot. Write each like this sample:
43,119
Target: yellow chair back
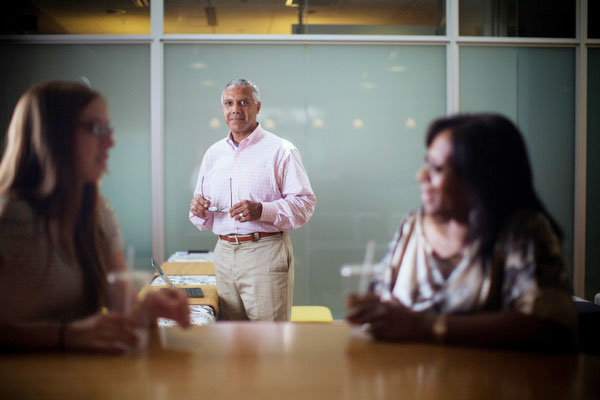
311,314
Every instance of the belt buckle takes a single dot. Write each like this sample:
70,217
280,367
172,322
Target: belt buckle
234,235
255,237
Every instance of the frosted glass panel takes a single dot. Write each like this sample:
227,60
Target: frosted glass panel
357,115
121,73
592,239
484,74
374,104
535,87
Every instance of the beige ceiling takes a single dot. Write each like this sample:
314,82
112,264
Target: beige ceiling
232,16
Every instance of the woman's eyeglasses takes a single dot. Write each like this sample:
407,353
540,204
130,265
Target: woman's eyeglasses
434,168
96,128
214,208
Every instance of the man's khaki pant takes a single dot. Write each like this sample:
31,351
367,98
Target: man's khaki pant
255,280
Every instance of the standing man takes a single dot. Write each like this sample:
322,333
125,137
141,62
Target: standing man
252,190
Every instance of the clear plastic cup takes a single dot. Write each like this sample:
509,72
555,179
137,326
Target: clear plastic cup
123,291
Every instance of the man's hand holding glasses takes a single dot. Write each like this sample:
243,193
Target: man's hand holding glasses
199,206
244,211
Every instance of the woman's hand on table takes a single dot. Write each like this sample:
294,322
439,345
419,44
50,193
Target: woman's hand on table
168,303
115,333
390,321
100,332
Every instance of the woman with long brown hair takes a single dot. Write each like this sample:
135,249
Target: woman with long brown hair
59,238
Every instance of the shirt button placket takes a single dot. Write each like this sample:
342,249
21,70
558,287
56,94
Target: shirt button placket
234,173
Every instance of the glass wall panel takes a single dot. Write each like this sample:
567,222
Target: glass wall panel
592,236
520,18
122,74
115,17
356,113
284,17
534,87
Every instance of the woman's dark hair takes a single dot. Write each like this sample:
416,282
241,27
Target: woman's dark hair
39,166
489,156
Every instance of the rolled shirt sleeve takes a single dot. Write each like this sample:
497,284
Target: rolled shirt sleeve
297,202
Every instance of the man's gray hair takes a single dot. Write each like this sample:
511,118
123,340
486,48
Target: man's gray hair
243,83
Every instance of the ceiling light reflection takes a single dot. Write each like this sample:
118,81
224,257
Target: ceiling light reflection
214,123
269,124
197,65
358,123
397,68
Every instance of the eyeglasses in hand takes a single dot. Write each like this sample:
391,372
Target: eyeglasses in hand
214,208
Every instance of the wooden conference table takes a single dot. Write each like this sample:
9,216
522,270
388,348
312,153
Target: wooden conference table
243,360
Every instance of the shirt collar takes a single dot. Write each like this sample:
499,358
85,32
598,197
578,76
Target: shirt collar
256,134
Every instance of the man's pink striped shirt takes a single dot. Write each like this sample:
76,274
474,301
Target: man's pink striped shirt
263,168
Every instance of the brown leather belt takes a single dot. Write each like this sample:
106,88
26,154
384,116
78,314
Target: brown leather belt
253,237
